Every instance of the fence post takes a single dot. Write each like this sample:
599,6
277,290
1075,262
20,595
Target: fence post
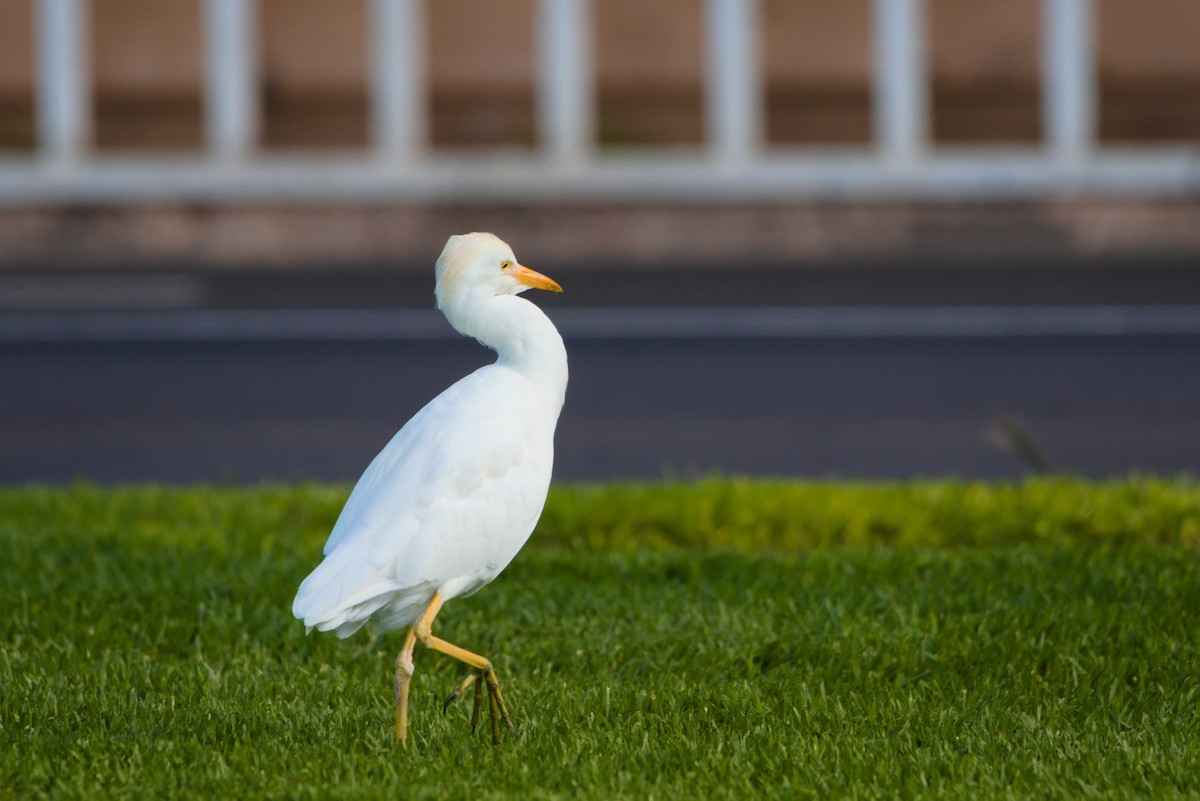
1068,78
734,91
64,107
565,100
232,100
900,83
398,96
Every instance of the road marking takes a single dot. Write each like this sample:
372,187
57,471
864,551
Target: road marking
851,322
75,292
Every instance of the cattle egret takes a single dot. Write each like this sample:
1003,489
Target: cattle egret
447,504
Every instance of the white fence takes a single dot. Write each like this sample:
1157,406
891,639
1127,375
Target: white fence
734,164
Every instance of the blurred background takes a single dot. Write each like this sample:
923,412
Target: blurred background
819,238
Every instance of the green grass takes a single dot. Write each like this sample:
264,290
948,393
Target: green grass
719,640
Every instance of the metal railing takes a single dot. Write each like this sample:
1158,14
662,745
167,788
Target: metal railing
734,164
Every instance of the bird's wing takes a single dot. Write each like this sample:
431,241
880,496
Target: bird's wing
454,494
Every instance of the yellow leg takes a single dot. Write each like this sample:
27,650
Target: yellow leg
404,674
484,677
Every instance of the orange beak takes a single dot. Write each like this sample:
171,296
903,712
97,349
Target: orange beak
534,279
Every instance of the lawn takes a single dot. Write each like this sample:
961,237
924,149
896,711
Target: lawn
726,639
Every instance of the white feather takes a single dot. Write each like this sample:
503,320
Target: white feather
455,494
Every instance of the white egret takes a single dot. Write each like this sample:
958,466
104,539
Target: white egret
447,504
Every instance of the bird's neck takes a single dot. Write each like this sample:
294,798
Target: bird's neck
524,339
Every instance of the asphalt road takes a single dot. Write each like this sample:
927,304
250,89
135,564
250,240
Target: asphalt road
884,370
879,406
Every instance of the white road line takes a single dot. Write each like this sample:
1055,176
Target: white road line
853,322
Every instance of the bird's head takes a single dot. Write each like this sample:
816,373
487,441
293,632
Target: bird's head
479,266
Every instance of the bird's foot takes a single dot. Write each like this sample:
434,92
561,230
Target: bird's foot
473,679
485,682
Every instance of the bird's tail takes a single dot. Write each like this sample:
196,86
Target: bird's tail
345,591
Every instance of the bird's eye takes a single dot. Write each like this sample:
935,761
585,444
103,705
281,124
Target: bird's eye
504,265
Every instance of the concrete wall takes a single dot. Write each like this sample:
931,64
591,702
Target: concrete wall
16,75
984,56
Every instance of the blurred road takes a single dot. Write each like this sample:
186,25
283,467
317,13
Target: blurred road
874,374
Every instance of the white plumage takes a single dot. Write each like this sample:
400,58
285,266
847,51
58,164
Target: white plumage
449,502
